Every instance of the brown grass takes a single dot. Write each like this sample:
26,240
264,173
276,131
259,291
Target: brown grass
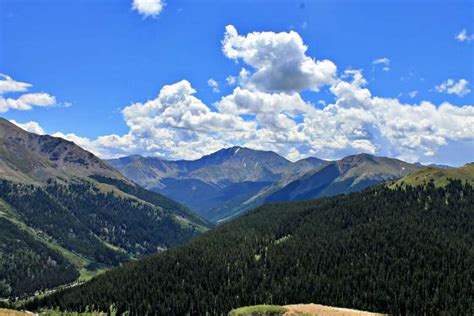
11,312
321,310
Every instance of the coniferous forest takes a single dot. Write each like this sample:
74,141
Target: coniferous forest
406,251
38,224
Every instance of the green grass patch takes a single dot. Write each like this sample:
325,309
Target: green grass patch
259,310
86,275
59,313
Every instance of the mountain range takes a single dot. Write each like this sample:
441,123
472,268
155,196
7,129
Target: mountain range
224,184
66,214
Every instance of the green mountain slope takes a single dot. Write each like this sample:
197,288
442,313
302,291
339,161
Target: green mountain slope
28,264
63,202
398,251
439,176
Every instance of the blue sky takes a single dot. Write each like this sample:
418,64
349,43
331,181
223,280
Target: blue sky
98,57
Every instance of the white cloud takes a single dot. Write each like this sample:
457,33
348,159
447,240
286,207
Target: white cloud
413,93
25,101
463,36
264,112
7,84
384,62
244,101
449,86
279,60
38,99
148,7
178,125
177,107
214,85
231,80
31,126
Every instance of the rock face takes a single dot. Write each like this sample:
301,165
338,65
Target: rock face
222,185
27,157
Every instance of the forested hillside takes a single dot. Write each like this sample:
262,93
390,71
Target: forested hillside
27,265
65,213
403,250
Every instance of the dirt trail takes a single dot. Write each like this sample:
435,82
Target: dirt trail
321,310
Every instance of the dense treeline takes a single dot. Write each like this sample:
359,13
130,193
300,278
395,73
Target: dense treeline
41,211
401,251
81,217
27,265
139,228
103,227
151,197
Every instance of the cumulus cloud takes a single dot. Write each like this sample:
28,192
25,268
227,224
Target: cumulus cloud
449,86
214,85
266,111
279,61
7,84
244,101
177,124
463,36
174,125
148,8
26,101
31,126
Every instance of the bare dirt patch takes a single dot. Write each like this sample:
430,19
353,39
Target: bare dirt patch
10,312
321,310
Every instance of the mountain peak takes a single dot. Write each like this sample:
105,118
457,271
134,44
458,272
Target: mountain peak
352,161
30,157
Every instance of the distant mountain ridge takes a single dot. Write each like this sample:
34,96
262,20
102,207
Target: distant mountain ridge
350,174
224,184
215,185
65,213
